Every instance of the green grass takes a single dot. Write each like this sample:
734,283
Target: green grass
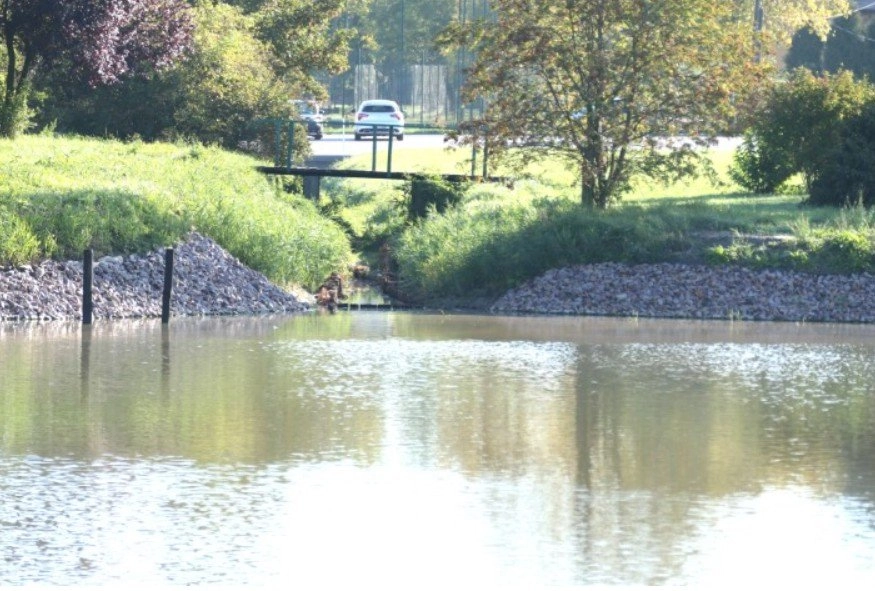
499,237
60,195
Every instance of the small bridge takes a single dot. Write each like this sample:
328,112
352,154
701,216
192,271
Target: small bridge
312,176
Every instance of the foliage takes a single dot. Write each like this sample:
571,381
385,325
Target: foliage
848,177
18,243
783,18
608,85
100,42
760,167
71,194
802,123
848,47
228,82
247,59
432,195
303,39
482,250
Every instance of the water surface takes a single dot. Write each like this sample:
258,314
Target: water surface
430,450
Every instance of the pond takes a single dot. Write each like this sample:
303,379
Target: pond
437,450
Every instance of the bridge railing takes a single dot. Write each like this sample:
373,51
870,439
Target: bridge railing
284,151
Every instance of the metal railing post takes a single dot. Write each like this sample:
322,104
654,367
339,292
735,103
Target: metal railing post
374,150
277,142
290,144
389,160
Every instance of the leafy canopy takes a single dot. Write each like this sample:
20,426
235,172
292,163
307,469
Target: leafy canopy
100,41
607,84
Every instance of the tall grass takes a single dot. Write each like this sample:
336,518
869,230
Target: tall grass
60,195
498,237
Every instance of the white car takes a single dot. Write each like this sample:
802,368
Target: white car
378,117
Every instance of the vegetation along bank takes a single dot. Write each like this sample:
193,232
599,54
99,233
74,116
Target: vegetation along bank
680,250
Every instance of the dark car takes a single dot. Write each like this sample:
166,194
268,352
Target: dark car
311,114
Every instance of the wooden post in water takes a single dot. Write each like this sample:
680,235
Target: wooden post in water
168,285
87,280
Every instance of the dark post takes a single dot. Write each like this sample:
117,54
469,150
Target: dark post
168,284
389,160
374,150
311,187
278,142
290,145
87,280
485,156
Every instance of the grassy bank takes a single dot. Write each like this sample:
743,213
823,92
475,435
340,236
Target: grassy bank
60,195
498,237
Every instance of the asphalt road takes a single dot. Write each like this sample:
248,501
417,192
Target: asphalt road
332,148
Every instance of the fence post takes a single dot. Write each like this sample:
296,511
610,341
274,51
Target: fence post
311,187
168,284
374,151
290,144
389,156
87,280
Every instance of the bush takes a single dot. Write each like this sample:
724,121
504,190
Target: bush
481,251
760,167
434,194
801,125
848,177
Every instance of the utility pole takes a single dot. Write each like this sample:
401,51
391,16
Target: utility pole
758,27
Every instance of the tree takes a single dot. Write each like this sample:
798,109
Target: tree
101,41
803,122
301,37
243,65
849,46
606,84
779,20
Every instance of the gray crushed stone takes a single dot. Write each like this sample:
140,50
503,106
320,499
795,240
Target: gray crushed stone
207,280
694,291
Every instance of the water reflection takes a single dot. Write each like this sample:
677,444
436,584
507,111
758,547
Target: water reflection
437,449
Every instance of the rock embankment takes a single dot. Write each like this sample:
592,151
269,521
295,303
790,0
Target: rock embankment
207,281
695,291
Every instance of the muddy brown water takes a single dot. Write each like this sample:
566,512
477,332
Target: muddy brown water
413,449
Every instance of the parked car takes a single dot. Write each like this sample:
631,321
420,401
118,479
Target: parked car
311,114
379,117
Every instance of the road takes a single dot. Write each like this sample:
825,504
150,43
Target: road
332,148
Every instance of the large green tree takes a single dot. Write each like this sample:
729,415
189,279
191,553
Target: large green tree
608,85
247,59
99,41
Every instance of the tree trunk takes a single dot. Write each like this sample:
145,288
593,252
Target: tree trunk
13,111
13,107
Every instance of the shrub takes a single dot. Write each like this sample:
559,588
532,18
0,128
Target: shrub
480,250
848,177
431,194
760,167
801,124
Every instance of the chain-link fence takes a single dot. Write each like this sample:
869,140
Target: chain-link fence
426,84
